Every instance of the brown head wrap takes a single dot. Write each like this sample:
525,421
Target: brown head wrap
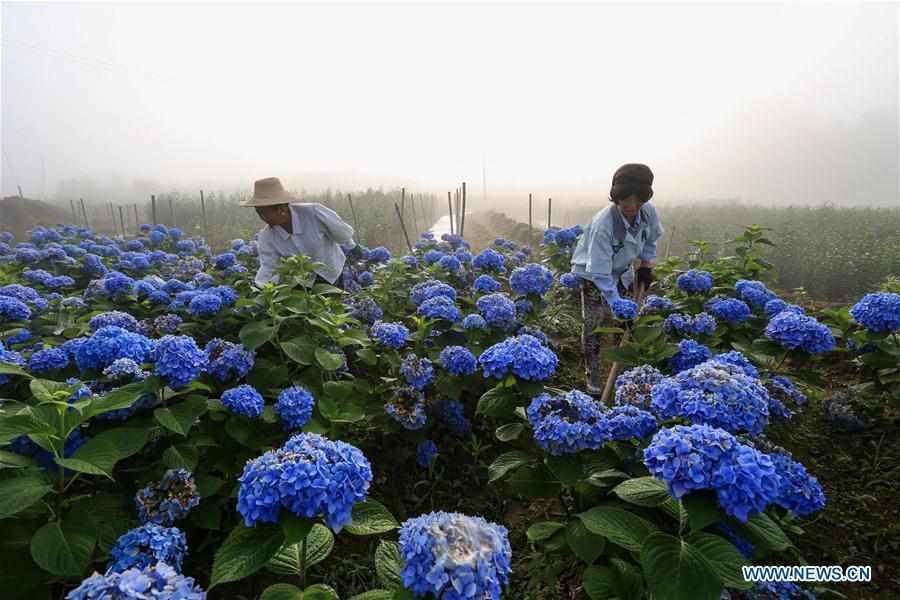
633,178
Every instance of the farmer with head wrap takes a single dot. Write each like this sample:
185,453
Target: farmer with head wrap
297,228
613,239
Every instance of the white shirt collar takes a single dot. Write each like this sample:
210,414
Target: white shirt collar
637,219
295,225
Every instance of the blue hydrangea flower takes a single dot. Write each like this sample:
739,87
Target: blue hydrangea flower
450,263
773,307
430,289
147,545
732,309
20,338
716,394
164,324
426,453
496,309
407,407
524,355
780,590
432,256
567,423
745,483
459,360
244,400
570,281
294,407
365,278
743,546
793,331
489,260
540,335
684,458
205,305
524,306
629,422
179,360
309,476
783,391
474,321
451,413
51,359
169,499
159,581
878,312
225,260
624,309
695,281
392,335
454,556
690,354
116,318
418,371
739,360
798,491
365,310
13,309
227,361
377,255
486,284
108,344
532,278
439,307
690,325
633,387
412,261
754,292
115,284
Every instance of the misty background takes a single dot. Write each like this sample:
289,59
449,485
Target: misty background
773,103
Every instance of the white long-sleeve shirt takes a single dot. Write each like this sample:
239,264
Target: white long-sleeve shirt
317,232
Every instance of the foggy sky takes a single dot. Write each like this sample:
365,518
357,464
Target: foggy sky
767,102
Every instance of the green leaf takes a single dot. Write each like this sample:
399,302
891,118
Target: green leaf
207,485
97,457
503,463
181,456
327,360
626,580
604,329
624,355
509,432
496,402
618,526
18,492
267,374
568,468
535,482
374,595
643,491
245,551
723,556
295,528
23,423
645,334
127,440
598,583
543,530
675,570
45,389
65,547
287,561
281,591
388,564
529,388
762,532
8,368
300,350
180,418
11,460
371,517
701,509
123,397
586,545
256,333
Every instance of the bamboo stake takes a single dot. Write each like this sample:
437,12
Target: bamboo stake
530,228
450,211
153,207
614,370
84,213
549,210
172,209
462,222
137,220
402,226
72,206
412,204
402,202
424,214
205,223
122,221
112,215
669,244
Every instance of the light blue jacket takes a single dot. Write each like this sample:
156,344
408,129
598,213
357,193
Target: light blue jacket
606,252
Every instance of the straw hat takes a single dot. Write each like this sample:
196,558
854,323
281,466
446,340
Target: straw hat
267,192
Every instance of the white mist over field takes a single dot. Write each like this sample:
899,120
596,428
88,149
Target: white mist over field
766,102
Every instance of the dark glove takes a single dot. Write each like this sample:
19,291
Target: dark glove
644,276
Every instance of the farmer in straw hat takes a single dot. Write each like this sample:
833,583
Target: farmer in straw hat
613,239
295,228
